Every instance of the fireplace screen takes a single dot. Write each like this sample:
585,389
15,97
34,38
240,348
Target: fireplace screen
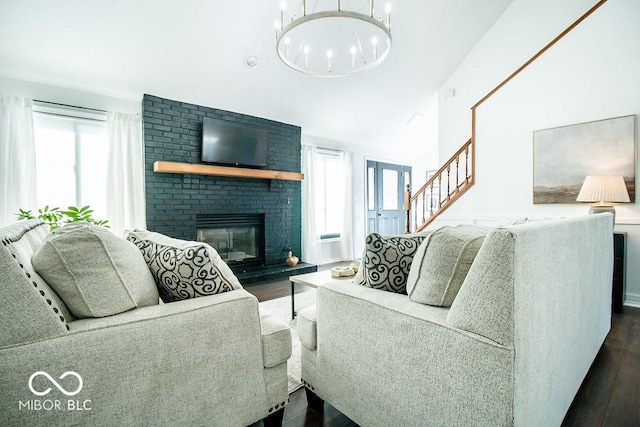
239,239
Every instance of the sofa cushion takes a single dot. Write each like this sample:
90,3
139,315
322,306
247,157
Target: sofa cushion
387,260
484,305
95,273
183,269
442,262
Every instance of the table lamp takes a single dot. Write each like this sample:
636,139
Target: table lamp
606,190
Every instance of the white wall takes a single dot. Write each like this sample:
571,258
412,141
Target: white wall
591,74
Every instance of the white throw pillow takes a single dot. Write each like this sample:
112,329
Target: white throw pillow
183,269
442,262
94,272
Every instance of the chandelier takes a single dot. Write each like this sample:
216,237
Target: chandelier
333,38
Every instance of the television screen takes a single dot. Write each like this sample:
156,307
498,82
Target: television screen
233,144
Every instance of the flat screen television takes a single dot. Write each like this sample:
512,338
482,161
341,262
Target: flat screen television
228,143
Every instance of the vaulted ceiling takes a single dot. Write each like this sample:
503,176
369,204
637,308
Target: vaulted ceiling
196,51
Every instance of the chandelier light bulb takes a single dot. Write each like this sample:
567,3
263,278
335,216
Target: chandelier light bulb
388,10
353,57
374,42
306,57
283,6
329,56
286,46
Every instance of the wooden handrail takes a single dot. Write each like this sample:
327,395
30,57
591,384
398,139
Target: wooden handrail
540,52
529,62
452,195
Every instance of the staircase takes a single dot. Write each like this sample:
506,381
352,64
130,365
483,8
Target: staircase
446,186
457,175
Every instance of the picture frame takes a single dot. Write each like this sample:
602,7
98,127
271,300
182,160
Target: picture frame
564,156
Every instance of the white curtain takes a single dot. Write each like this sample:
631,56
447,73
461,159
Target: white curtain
125,173
310,244
17,158
342,200
346,232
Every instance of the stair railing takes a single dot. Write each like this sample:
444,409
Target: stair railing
442,189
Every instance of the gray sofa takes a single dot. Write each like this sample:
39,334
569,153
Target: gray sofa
213,360
513,348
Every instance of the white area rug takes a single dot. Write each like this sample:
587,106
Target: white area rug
281,307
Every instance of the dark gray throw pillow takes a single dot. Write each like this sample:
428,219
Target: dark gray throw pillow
387,260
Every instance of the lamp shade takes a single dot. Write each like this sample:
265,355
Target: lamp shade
599,188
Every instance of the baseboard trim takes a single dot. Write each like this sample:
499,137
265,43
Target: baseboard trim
632,300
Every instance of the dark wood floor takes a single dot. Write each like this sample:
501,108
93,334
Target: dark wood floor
609,395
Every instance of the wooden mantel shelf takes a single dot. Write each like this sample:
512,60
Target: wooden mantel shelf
198,169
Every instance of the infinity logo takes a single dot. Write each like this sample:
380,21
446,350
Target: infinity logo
55,383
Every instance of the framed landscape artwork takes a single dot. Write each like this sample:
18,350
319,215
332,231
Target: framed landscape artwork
564,156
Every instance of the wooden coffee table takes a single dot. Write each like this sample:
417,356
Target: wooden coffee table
313,280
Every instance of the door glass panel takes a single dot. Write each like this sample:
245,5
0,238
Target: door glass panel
389,189
371,189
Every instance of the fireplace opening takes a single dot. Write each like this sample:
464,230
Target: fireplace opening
238,238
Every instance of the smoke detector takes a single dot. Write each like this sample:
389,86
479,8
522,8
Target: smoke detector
252,61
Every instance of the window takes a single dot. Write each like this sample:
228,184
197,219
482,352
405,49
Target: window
71,157
330,181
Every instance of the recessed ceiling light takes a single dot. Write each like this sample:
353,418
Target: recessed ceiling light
252,62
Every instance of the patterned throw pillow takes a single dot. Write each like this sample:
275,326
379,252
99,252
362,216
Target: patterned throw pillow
183,269
387,260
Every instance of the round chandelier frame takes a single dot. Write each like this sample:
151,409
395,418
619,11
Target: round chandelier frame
359,60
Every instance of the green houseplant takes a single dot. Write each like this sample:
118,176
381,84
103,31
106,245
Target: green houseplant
56,217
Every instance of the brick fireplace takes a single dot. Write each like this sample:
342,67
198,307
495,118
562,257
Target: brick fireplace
173,132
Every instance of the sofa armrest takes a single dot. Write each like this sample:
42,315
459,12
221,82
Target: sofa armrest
170,363
307,329
276,340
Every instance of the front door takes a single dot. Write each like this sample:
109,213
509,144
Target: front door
385,197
